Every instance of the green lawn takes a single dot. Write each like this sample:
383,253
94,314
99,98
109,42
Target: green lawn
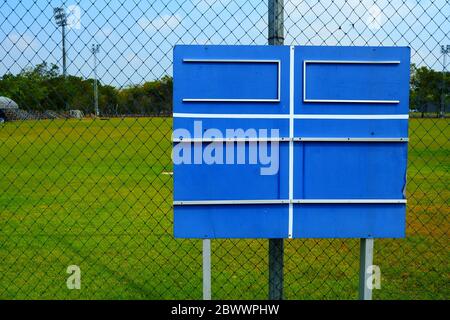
93,193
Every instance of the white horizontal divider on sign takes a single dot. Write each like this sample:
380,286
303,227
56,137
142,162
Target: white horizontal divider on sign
286,139
287,116
287,201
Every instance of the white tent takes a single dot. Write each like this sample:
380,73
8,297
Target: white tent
7,103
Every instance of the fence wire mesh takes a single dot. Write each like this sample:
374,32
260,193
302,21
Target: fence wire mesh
96,192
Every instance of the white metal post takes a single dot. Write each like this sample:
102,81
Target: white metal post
366,260
207,269
445,50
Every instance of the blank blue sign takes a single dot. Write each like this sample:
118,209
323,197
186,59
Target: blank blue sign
290,142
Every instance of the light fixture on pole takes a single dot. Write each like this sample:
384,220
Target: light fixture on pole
61,20
445,50
95,49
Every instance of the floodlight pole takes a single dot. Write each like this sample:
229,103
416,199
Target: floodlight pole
61,21
95,50
445,50
60,16
64,50
276,246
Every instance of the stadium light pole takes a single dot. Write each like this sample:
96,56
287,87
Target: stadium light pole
445,50
95,49
61,21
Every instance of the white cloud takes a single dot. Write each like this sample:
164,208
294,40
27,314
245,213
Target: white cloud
210,3
161,23
105,31
73,17
133,59
375,18
21,42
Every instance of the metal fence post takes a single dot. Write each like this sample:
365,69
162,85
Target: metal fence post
276,22
276,246
366,260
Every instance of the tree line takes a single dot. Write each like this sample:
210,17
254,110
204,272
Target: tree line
43,88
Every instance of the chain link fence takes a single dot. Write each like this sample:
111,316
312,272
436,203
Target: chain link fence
96,191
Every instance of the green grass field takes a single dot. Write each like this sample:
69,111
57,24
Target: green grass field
93,193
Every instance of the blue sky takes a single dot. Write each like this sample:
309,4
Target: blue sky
137,37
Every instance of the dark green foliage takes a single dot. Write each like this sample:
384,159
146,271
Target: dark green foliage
427,87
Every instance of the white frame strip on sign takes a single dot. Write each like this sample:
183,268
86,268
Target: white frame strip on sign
353,116
350,201
228,202
313,139
287,201
306,100
280,139
278,62
230,115
193,140
296,116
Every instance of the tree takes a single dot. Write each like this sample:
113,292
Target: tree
426,89
27,88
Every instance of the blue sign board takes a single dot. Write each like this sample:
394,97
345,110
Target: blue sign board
290,142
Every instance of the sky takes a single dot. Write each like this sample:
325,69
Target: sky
137,37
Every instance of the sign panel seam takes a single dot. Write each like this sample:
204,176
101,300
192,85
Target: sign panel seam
291,141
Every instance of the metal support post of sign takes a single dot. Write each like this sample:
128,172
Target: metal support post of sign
276,246
207,269
276,250
365,261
